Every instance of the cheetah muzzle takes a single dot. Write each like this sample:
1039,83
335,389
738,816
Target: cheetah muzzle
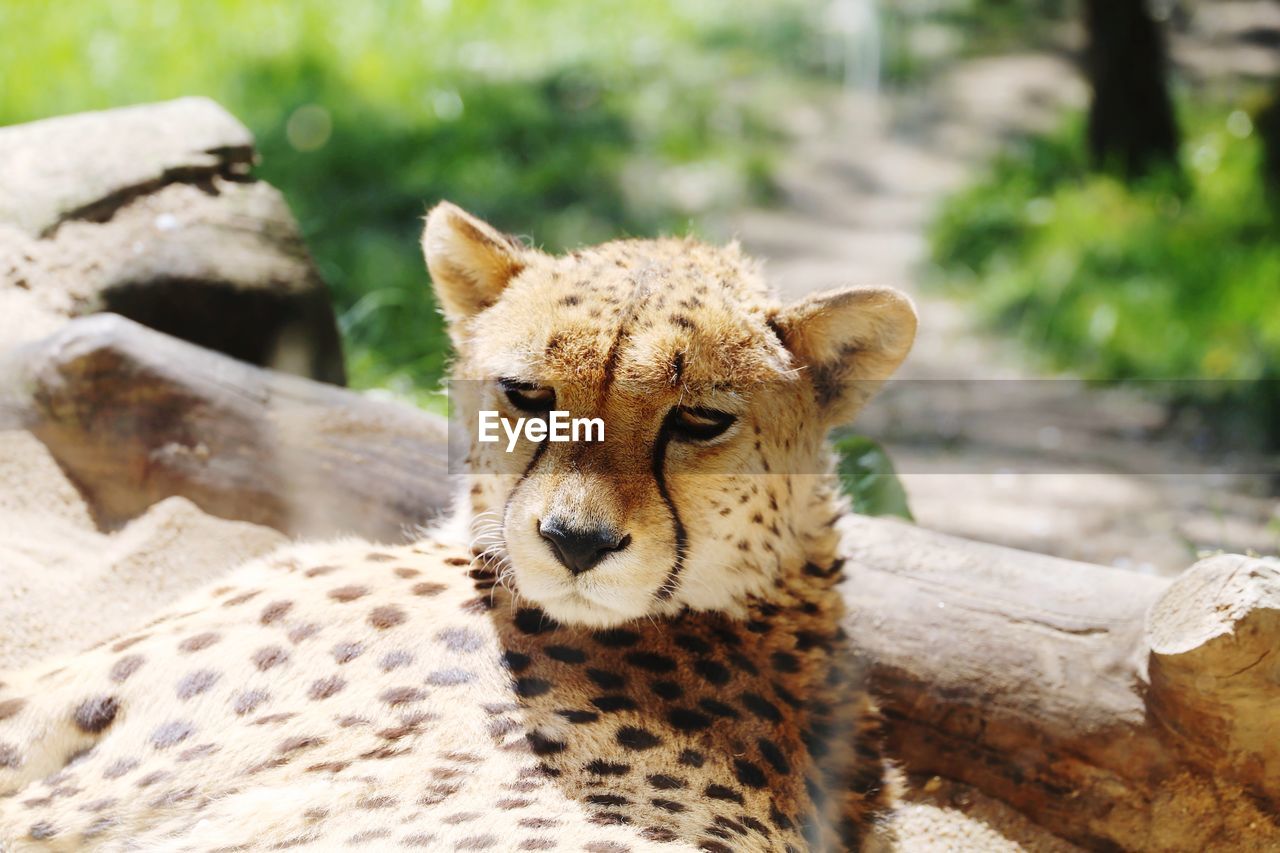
628,644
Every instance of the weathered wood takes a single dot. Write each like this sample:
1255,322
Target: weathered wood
1215,669
135,416
150,212
1026,677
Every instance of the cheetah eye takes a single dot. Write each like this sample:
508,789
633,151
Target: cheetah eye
528,397
692,424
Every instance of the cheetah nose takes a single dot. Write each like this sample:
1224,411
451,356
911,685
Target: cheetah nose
581,550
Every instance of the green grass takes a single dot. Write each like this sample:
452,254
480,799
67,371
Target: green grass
868,477
570,122
1176,278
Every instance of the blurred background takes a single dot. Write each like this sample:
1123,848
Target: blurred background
1070,188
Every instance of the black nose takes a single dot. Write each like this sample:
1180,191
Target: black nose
581,550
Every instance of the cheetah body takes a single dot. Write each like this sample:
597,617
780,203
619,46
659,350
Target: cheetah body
336,695
465,692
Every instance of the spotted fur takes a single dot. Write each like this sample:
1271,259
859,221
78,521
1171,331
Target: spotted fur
693,691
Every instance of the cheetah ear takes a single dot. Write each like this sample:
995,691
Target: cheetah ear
848,341
469,260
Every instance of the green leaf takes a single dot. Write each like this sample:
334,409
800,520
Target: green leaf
867,477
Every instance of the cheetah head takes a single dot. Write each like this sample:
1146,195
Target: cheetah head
712,478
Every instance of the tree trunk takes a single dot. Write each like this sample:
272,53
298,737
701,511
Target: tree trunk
1268,123
1131,123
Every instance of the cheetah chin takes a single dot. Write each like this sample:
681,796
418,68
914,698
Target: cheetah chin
623,645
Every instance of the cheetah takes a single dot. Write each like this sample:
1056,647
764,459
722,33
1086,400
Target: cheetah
623,645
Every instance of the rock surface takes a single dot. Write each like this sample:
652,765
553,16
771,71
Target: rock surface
150,212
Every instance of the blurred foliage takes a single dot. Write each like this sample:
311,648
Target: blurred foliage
867,476
1177,277
573,122
924,37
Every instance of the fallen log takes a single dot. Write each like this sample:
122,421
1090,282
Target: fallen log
1215,670
1117,709
135,416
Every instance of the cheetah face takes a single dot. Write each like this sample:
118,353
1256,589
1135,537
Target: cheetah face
715,403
